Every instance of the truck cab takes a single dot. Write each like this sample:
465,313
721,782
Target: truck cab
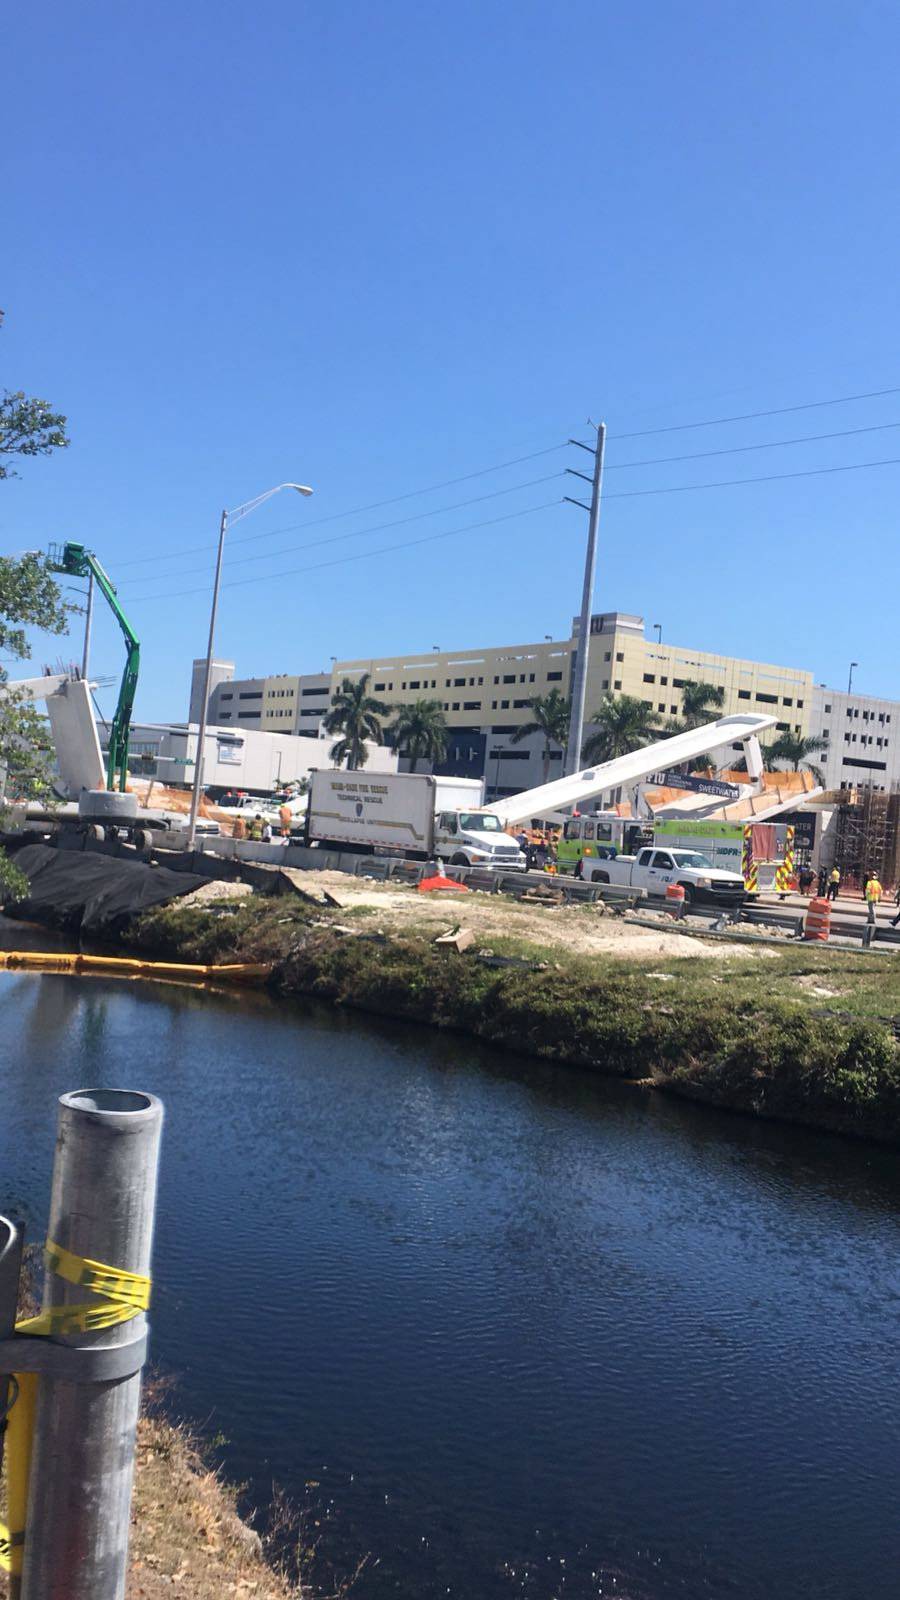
475,839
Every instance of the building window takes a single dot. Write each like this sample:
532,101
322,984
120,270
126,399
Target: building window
620,655
554,677
471,705
509,755
799,705
674,710
787,701
743,694
415,683
827,709
677,683
256,695
459,683
605,683
617,684
379,689
649,677
664,683
228,696
607,656
767,699
521,705
661,705
647,704
509,677
504,705
456,705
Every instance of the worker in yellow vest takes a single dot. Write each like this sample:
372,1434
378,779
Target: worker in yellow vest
834,883
874,892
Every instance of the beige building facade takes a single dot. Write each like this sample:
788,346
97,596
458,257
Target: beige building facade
483,688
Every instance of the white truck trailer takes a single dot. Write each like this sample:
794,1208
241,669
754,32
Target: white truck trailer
409,814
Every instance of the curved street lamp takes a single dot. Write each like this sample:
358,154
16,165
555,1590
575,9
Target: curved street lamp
227,518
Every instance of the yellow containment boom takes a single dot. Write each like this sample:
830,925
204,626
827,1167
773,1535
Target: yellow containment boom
122,967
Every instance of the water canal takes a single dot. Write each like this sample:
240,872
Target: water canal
511,1330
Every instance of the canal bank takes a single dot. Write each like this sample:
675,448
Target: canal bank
798,1034
492,1321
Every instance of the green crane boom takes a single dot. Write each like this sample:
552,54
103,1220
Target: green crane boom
81,563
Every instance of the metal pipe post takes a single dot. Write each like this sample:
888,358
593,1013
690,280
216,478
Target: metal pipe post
101,1207
207,677
88,617
579,682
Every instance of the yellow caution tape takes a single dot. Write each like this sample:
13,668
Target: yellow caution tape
125,1295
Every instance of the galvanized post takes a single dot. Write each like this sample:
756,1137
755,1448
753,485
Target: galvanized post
101,1207
10,1267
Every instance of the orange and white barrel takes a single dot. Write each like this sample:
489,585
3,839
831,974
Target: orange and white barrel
674,897
818,920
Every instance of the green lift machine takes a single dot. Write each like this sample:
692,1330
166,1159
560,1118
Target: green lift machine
77,562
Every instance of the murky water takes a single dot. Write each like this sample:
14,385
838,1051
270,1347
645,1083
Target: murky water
523,1332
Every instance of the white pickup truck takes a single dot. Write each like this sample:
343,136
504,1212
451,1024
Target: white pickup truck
654,869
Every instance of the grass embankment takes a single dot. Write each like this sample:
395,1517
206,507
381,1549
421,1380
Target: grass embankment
804,1035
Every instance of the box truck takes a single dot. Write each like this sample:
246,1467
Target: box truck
410,814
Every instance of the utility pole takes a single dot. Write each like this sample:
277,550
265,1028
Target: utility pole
579,680
207,678
88,616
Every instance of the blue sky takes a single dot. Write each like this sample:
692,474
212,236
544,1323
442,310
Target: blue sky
376,249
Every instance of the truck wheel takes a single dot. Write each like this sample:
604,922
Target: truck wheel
96,831
688,893
599,877
459,860
143,839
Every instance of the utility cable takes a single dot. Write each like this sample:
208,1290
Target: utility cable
728,483
753,416
358,511
360,533
740,449
362,555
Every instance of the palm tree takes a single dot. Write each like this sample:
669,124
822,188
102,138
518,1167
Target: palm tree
793,749
357,716
422,728
700,702
549,717
622,724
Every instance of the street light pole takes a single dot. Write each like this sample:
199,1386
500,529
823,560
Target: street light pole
227,516
850,679
88,615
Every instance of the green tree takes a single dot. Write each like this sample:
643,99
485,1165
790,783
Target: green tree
421,729
700,703
356,715
29,597
620,724
550,715
28,427
795,751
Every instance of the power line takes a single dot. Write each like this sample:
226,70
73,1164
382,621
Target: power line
740,449
358,511
502,466
752,416
728,483
362,555
360,533
626,494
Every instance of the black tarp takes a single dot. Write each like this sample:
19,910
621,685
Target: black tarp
95,895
